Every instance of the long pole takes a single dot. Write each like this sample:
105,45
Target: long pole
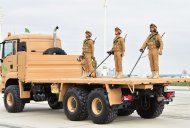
105,26
105,36
99,65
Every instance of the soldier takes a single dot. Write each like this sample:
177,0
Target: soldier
155,46
118,50
88,54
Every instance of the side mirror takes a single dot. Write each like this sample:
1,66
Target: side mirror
1,44
1,60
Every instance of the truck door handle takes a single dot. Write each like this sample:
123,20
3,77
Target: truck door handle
11,66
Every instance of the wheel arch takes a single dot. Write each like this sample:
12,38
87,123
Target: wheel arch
11,81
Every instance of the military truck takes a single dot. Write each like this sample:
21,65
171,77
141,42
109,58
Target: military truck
35,67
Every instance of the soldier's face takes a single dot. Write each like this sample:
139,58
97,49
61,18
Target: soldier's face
116,32
87,36
152,29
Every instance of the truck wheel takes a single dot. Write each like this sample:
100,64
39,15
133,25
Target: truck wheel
54,51
54,103
125,112
154,110
99,110
12,100
75,106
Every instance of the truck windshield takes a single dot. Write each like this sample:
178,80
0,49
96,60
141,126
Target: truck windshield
7,48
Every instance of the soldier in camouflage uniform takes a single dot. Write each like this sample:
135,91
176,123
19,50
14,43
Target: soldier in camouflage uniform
88,54
118,50
155,45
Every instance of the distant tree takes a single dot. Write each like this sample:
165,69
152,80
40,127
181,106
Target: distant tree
184,72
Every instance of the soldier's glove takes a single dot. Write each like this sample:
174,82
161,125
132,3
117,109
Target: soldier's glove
80,58
93,58
160,52
122,54
111,52
141,50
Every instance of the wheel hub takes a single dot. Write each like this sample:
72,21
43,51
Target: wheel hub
9,99
97,106
72,104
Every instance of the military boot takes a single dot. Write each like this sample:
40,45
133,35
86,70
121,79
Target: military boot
116,74
120,74
156,76
152,75
85,75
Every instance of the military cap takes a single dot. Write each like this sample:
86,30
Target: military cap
153,25
118,29
88,32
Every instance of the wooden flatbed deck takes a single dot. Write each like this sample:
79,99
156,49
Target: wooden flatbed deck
109,80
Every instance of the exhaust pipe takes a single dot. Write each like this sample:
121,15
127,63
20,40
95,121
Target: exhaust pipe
54,36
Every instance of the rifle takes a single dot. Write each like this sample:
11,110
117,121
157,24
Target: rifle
94,40
125,37
140,57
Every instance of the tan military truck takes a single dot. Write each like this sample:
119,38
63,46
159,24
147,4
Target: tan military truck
34,67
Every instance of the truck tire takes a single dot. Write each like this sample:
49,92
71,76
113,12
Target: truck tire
54,103
54,51
154,110
12,101
99,109
75,106
125,112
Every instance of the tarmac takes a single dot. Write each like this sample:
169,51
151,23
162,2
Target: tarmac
39,115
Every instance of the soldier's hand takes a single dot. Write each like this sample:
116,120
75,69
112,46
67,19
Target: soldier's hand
93,57
110,52
160,52
141,50
122,54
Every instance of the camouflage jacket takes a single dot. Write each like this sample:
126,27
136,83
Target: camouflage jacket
152,42
88,46
118,45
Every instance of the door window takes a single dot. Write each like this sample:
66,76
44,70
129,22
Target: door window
8,49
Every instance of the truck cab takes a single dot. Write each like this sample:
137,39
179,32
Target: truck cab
18,50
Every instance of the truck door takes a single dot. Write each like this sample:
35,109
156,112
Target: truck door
9,56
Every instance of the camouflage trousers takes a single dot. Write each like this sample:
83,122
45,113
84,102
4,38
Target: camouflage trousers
118,61
88,63
153,58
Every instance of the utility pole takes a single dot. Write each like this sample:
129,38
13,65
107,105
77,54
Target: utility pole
105,36
1,23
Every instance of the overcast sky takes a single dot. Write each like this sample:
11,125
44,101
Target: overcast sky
132,16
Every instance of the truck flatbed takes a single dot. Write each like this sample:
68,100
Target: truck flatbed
110,80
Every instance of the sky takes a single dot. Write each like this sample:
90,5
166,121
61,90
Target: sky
74,17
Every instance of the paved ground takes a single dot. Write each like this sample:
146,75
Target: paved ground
39,115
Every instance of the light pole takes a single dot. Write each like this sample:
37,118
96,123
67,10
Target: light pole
1,23
105,36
